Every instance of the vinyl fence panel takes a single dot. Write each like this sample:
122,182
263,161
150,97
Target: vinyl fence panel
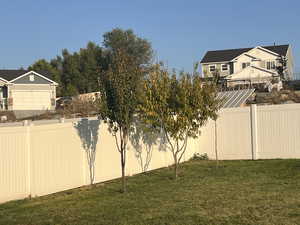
50,156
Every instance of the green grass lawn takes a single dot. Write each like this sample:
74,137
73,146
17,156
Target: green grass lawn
238,192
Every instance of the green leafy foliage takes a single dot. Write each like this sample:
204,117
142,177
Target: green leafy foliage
76,73
180,105
138,48
81,70
121,85
198,156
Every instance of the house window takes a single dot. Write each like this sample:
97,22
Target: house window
212,68
244,65
31,77
270,65
224,67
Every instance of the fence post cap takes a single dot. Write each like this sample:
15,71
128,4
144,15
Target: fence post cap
25,122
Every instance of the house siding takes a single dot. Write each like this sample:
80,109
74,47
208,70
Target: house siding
31,87
207,73
37,80
260,54
290,63
36,91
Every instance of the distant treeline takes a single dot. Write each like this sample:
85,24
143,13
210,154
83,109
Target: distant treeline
79,72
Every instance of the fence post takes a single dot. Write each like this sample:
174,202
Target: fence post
27,125
254,143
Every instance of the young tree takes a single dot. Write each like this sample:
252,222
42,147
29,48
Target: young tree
180,105
119,98
121,85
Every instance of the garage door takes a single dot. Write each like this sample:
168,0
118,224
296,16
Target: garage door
31,100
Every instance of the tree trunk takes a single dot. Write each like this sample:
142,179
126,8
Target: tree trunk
91,175
123,171
176,170
123,179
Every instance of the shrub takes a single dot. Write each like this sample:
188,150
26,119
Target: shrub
80,107
198,156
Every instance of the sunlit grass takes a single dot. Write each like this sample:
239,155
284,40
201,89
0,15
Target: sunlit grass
238,192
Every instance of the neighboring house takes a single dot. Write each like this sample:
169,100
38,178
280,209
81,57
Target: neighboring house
256,65
22,90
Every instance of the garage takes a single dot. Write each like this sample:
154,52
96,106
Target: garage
31,100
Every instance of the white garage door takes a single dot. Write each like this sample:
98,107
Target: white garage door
31,100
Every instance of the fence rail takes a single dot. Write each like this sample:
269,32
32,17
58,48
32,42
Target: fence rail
43,157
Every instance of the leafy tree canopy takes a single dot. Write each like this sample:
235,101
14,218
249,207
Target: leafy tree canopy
120,91
137,48
178,103
78,72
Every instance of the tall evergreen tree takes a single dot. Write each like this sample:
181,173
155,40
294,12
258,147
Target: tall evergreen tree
78,72
71,72
90,63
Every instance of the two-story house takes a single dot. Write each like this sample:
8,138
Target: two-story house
257,64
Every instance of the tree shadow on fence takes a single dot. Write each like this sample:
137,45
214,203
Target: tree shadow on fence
143,139
88,131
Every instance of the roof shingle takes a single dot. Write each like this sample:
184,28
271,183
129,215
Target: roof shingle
13,74
229,54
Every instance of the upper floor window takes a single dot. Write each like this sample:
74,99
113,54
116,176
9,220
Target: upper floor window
244,65
224,67
212,68
270,65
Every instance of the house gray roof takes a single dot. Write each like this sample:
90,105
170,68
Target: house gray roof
12,74
229,54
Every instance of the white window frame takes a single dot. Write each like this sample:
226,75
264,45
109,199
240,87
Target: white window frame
214,65
226,67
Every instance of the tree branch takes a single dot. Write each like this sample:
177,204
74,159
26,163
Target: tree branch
183,148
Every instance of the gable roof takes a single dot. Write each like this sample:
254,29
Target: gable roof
229,54
3,80
13,74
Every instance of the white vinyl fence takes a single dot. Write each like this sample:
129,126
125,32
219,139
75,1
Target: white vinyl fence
49,156
256,132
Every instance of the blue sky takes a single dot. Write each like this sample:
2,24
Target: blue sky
180,31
